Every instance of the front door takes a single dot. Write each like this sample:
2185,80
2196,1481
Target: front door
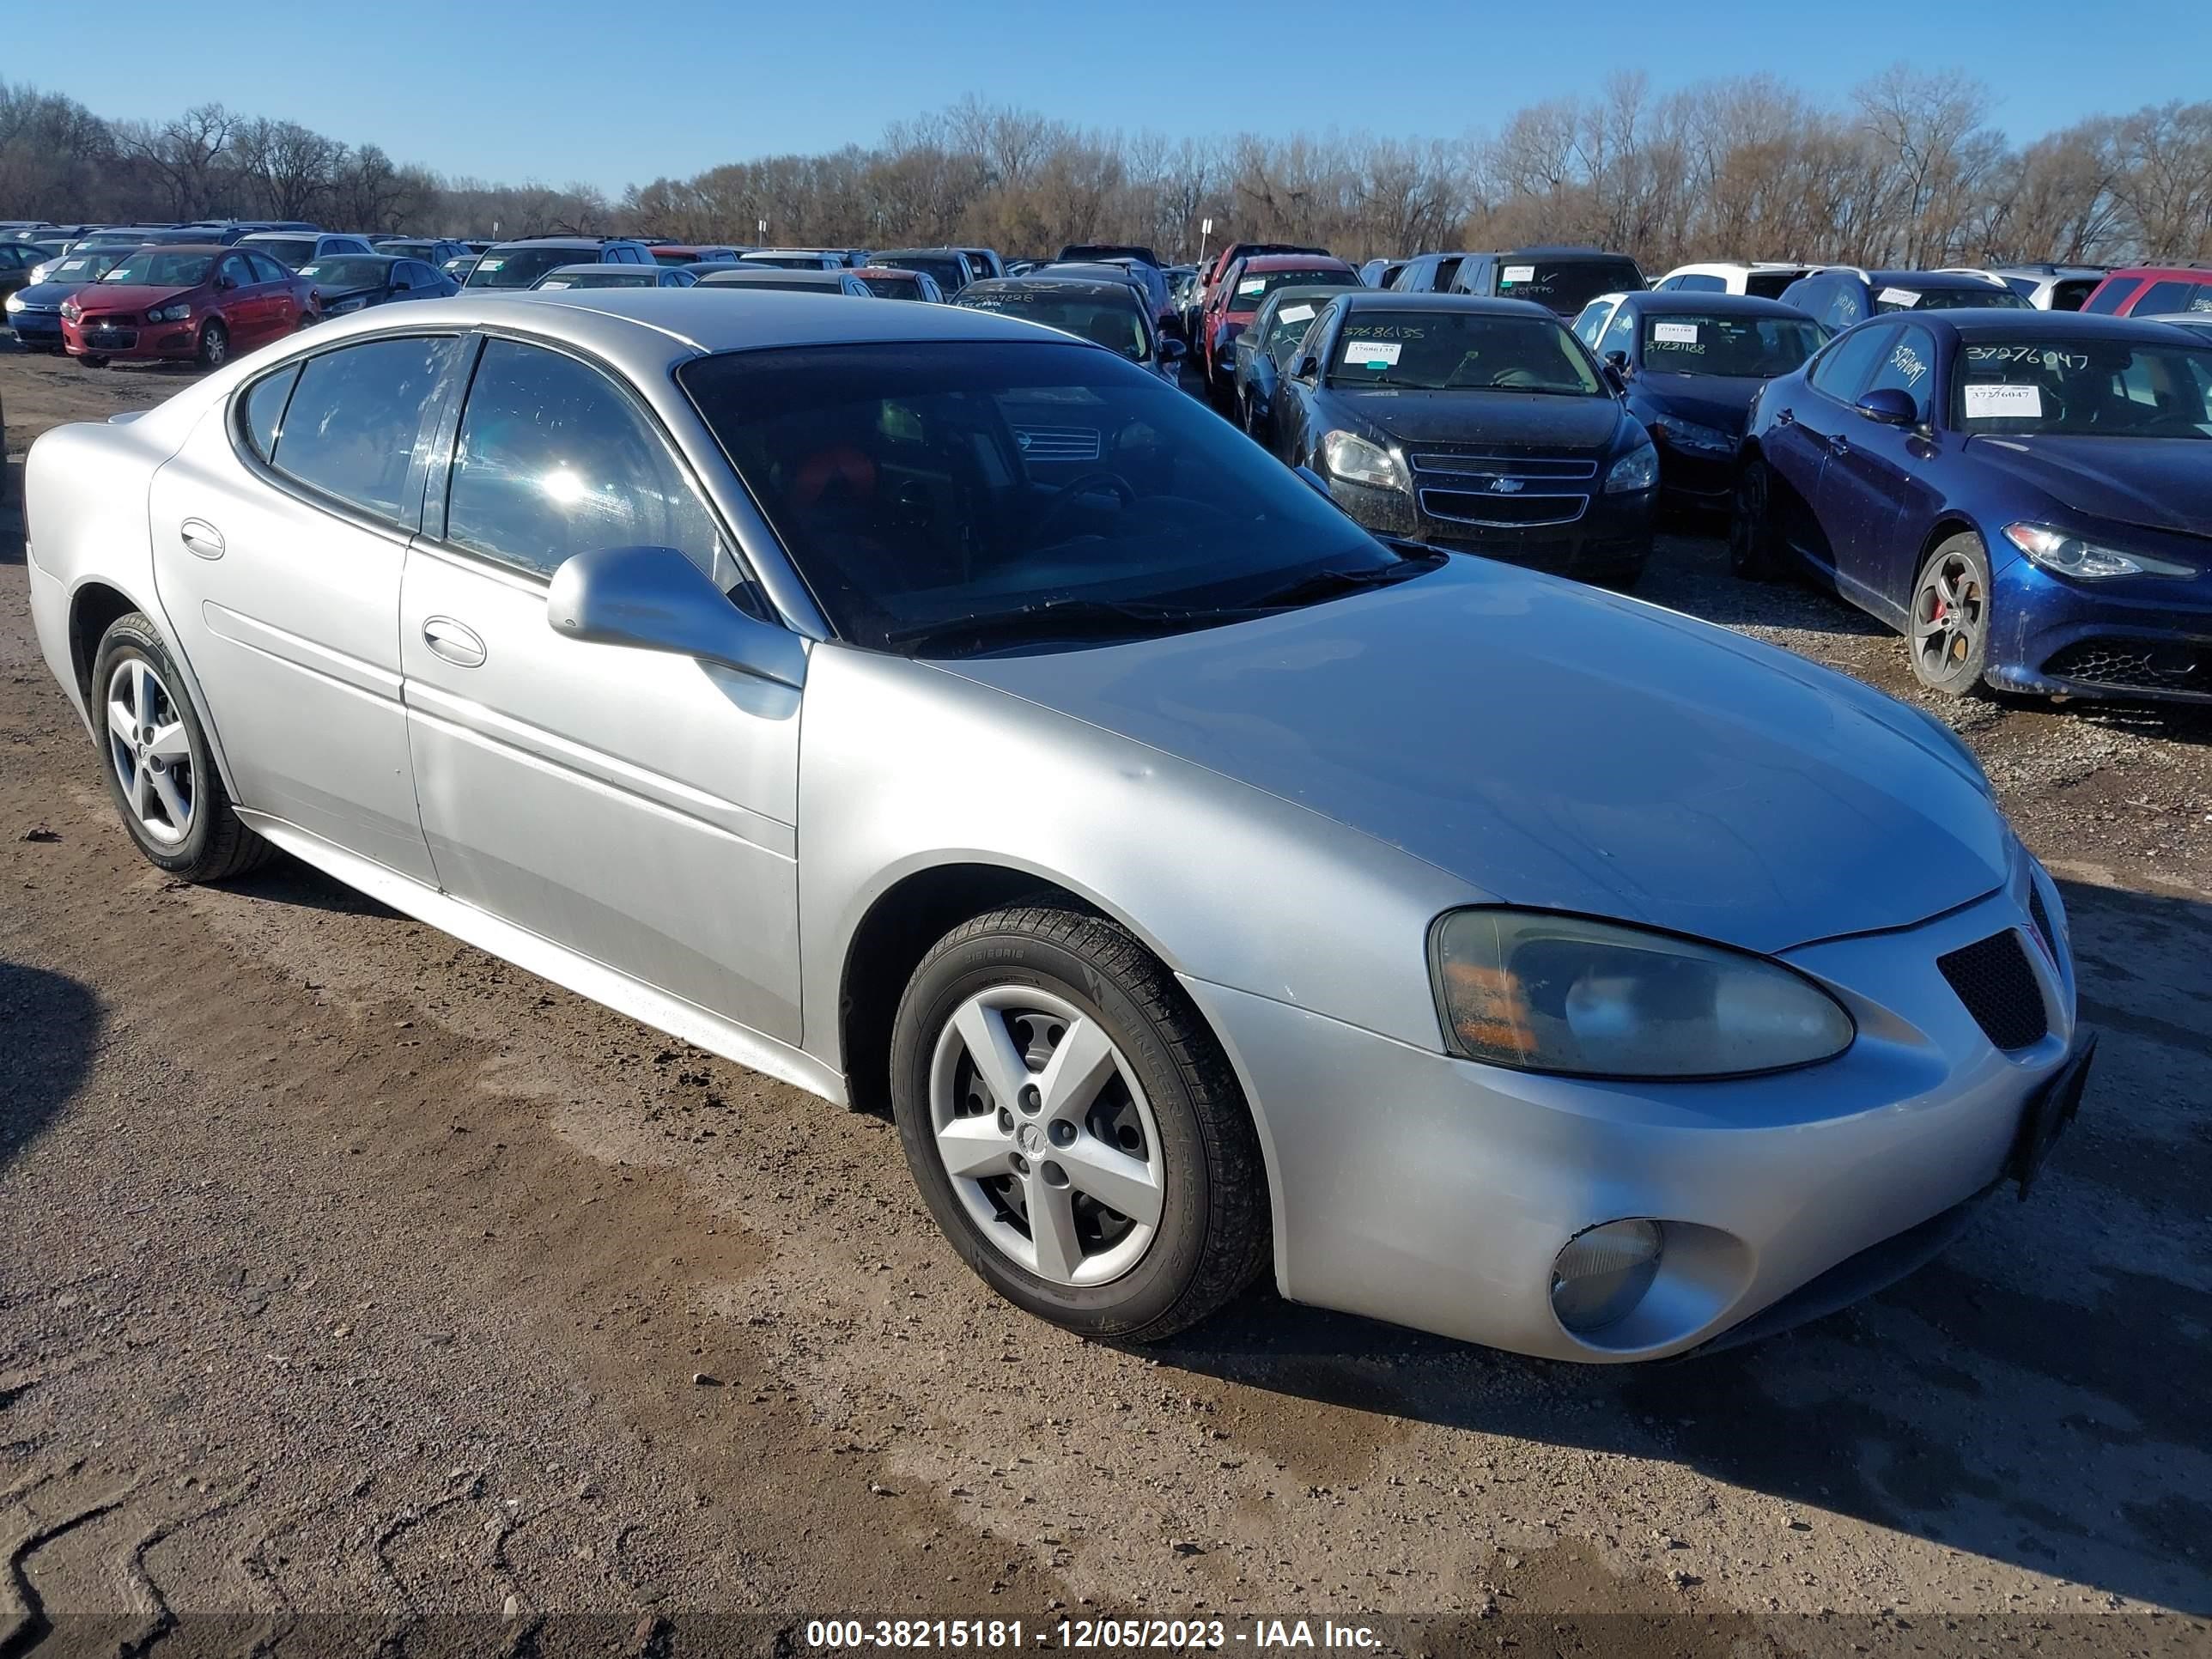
635,807
1872,474
280,532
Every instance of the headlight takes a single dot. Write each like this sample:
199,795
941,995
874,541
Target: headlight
71,311
2069,556
176,312
1636,470
1705,440
1543,993
1354,460
344,305
15,303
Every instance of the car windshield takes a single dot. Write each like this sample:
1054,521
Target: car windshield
950,270
1439,350
82,267
359,271
1254,286
1980,296
1290,322
885,286
944,495
148,268
294,250
798,282
1750,348
519,267
639,278
1565,285
1113,324
2082,388
792,261
407,250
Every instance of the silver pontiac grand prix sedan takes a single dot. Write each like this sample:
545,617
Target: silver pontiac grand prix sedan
930,710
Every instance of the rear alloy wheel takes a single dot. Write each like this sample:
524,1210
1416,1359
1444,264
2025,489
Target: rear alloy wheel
1950,628
214,344
155,757
1751,531
1075,1128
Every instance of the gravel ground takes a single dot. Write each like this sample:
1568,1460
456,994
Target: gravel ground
360,1292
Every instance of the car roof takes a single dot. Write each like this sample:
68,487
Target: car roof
2183,273
625,269
1072,287
2046,325
762,276
915,253
1929,278
1710,305
1560,251
559,241
1266,262
1376,299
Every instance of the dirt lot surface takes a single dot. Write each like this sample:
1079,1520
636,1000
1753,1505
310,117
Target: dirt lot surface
357,1289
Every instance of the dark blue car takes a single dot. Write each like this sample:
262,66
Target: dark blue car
2026,496
1691,364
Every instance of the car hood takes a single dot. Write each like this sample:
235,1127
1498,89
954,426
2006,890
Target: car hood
1715,400
1556,746
119,297
1473,415
2164,483
48,293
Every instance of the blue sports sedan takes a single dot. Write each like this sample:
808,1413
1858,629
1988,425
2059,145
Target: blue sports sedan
2026,495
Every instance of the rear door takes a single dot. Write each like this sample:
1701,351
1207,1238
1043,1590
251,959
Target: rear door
279,533
1797,442
635,807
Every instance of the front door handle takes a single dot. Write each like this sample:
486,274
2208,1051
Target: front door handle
457,645
1784,417
202,537
1839,444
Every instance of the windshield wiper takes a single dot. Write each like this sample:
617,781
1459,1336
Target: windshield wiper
1327,583
1047,617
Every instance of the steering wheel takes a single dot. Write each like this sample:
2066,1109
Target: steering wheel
1073,490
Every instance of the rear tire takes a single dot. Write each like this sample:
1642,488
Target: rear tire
1751,530
1161,1127
160,770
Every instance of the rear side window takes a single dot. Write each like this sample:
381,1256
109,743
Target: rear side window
1768,284
351,427
2112,294
2068,297
1698,282
554,460
2159,298
1844,368
265,409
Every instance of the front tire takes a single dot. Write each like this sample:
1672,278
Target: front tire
1075,1128
1947,633
93,360
155,756
1751,531
214,349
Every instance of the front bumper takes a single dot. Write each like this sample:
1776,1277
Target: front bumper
1436,1193
97,336
39,331
1699,479
1608,535
2146,638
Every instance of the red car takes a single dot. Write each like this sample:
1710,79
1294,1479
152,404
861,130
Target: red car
1235,299
2153,291
201,303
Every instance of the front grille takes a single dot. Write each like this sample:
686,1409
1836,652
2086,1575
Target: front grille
1506,463
1504,511
109,337
2135,666
1058,443
1994,979
2042,920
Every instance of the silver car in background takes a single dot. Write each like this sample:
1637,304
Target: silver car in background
931,710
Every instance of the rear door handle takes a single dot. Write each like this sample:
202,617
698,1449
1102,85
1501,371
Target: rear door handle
457,645
202,537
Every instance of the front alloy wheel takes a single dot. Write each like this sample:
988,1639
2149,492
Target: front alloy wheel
1950,632
150,753
1074,1127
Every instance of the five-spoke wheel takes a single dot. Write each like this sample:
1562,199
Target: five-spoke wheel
151,754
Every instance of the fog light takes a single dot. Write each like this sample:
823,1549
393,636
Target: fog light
1603,1273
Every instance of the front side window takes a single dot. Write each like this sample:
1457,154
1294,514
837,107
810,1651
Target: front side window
921,487
553,460
2110,295
2161,298
2088,388
1698,282
1908,366
1619,334
1748,348
354,417
1844,369
1768,284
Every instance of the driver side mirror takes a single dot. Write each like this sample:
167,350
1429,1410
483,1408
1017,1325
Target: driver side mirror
1891,405
1172,350
1617,361
654,598
1309,366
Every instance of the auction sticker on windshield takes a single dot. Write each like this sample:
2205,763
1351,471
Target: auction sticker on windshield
491,264
1252,285
1675,333
1998,402
1294,314
1372,354
1518,274
1898,296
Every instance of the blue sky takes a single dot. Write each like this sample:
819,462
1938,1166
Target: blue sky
583,89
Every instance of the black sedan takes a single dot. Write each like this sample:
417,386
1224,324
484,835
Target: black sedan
347,282
1263,350
1693,364
1105,311
1476,424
